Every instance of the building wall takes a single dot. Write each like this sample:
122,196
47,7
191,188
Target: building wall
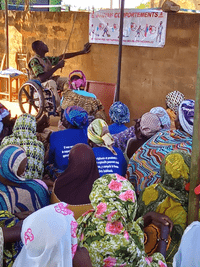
148,74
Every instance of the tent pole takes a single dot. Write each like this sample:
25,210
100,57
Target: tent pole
193,207
6,29
120,50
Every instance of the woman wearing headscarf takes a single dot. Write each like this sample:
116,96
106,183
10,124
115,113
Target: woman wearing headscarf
17,193
169,197
49,239
74,185
119,115
24,135
109,159
81,98
6,123
109,231
132,138
144,166
188,252
146,127
173,100
75,120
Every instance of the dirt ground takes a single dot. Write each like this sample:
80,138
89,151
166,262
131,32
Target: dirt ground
15,110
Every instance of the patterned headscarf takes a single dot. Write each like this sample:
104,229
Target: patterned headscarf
174,99
163,116
25,127
119,113
109,232
3,113
95,134
77,116
49,238
77,83
11,157
150,124
186,115
175,168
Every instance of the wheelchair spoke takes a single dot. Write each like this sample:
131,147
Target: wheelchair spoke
27,94
35,107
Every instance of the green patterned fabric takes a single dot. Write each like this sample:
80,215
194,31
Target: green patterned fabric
11,250
169,196
109,232
24,135
37,68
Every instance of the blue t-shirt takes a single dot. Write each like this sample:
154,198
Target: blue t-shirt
60,144
116,128
108,163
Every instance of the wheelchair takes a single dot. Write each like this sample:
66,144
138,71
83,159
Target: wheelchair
36,100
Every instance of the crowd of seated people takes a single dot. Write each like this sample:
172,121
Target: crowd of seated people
93,194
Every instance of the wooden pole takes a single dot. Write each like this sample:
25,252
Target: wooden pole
120,51
193,207
6,29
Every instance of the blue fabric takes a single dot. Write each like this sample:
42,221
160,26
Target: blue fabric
76,116
39,195
84,93
60,144
119,113
116,128
108,163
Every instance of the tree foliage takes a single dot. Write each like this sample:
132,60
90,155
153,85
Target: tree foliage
187,4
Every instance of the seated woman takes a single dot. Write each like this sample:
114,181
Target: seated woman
80,98
144,166
49,239
173,100
146,127
17,193
109,159
24,135
6,123
169,197
132,138
109,231
74,185
75,120
188,253
119,114
10,236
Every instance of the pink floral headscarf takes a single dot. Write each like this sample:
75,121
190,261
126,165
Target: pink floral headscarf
109,232
49,238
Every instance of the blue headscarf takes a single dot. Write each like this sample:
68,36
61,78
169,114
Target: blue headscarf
186,115
119,113
163,116
11,157
77,116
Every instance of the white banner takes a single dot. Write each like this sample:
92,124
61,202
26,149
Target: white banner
141,27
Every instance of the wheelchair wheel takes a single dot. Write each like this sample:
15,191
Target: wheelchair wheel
31,99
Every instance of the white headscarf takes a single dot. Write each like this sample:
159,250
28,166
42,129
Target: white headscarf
49,238
188,253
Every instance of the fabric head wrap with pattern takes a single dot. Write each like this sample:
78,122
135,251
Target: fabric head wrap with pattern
186,115
49,238
150,124
109,232
174,99
77,116
3,113
77,83
119,113
95,134
163,116
11,157
175,168
25,127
